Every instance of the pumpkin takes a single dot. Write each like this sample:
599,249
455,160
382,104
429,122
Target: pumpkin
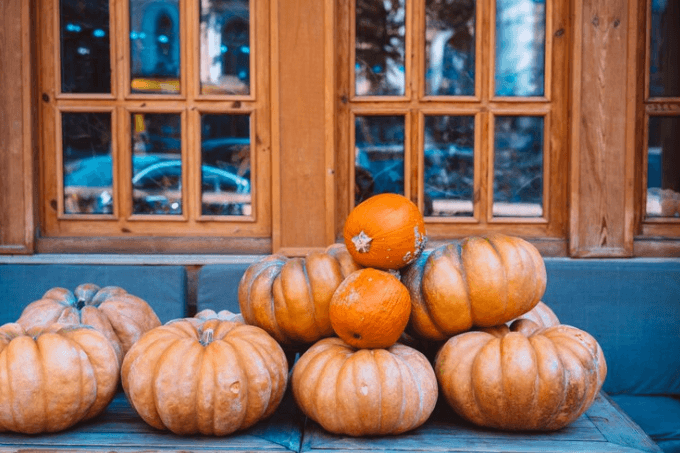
211,376
370,309
386,231
366,391
120,316
480,281
224,315
54,377
542,315
290,297
521,377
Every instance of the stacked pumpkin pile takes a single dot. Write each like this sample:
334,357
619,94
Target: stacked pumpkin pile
503,360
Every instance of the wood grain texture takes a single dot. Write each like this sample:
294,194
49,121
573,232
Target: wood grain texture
16,129
299,32
603,428
601,189
120,429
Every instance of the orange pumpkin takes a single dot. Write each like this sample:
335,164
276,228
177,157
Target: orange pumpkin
211,376
476,282
521,377
290,297
370,309
54,377
366,391
120,316
386,231
542,315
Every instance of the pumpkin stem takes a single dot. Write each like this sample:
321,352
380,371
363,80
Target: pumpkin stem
206,337
362,242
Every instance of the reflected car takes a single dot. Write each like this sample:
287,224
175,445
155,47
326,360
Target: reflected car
157,189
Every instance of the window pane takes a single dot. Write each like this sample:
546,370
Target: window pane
225,47
450,47
86,143
380,47
520,47
449,165
663,167
518,166
156,163
85,50
225,169
379,158
154,46
664,56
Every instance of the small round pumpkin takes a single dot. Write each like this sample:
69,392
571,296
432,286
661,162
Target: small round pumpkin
480,281
365,391
370,309
521,377
386,231
54,377
290,297
120,316
211,376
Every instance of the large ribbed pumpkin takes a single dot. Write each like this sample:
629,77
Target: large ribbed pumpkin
521,377
211,376
370,309
366,391
120,316
54,377
386,231
290,297
476,282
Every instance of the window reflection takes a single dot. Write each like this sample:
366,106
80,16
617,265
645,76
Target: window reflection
225,47
380,47
520,47
225,165
518,166
449,165
85,49
663,167
154,46
379,156
664,56
87,163
156,163
450,47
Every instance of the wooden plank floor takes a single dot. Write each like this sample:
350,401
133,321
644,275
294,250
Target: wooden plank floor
120,429
604,428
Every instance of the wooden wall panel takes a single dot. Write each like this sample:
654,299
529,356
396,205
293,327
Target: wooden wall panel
299,99
601,160
16,132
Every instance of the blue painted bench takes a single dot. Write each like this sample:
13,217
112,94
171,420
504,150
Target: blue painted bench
163,287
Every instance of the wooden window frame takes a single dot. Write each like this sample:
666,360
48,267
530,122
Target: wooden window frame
551,228
172,233
647,106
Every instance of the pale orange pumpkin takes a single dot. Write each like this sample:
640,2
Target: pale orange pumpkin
120,316
370,309
366,391
54,377
386,231
542,315
290,297
211,376
521,377
477,282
